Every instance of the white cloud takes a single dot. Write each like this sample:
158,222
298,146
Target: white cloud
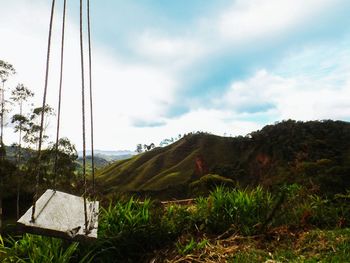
249,20
301,98
215,121
171,52
231,30
219,122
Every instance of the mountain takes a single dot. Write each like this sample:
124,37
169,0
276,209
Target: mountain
109,155
98,161
315,153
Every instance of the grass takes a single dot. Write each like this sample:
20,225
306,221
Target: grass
37,249
309,246
227,226
163,167
190,246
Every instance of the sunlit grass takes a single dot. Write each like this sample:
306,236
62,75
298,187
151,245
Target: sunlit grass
133,229
37,249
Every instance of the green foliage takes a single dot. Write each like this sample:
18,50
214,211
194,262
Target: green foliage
124,216
308,153
129,229
310,246
37,249
33,127
302,208
242,210
190,246
178,219
208,183
7,173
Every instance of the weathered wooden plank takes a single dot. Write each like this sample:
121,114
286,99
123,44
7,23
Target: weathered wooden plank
61,215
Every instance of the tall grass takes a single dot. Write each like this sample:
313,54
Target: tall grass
124,216
38,249
242,210
302,209
130,230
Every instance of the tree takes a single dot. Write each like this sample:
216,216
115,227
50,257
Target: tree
64,162
20,95
139,148
56,170
148,147
31,135
6,69
168,141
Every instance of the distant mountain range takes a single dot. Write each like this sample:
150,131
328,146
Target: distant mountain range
104,158
314,153
109,156
108,152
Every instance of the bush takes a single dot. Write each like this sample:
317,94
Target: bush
130,230
242,210
304,209
208,183
33,248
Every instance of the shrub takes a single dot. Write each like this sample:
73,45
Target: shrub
33,248
242,210
130,230
208,183
190,246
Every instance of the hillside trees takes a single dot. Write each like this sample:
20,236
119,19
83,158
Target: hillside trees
148,147
139,148
19,96
145,147
31,135
6,69
21,158
64,161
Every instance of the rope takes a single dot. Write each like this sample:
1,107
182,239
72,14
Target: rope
91,103
42,113
83,111
59,95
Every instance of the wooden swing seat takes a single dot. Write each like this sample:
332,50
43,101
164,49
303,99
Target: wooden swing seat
61,215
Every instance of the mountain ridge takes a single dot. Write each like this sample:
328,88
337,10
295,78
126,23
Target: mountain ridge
314,152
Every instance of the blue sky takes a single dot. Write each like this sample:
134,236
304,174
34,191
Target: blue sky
163,68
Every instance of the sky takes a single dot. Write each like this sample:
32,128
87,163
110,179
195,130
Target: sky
162,68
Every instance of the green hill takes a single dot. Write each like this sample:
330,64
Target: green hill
315,153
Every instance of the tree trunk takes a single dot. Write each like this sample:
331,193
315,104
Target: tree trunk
19,163
1,145
17,201
2,113
1,189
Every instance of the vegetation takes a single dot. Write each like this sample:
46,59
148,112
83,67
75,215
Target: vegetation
227,226
18,162
279,194
314,154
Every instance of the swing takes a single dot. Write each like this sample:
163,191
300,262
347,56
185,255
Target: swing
56,213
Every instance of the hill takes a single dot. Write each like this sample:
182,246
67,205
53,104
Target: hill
314,153
99,161
109,155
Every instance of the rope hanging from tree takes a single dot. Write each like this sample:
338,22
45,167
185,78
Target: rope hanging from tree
89,223
91,104
83,108
42,112
60,94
